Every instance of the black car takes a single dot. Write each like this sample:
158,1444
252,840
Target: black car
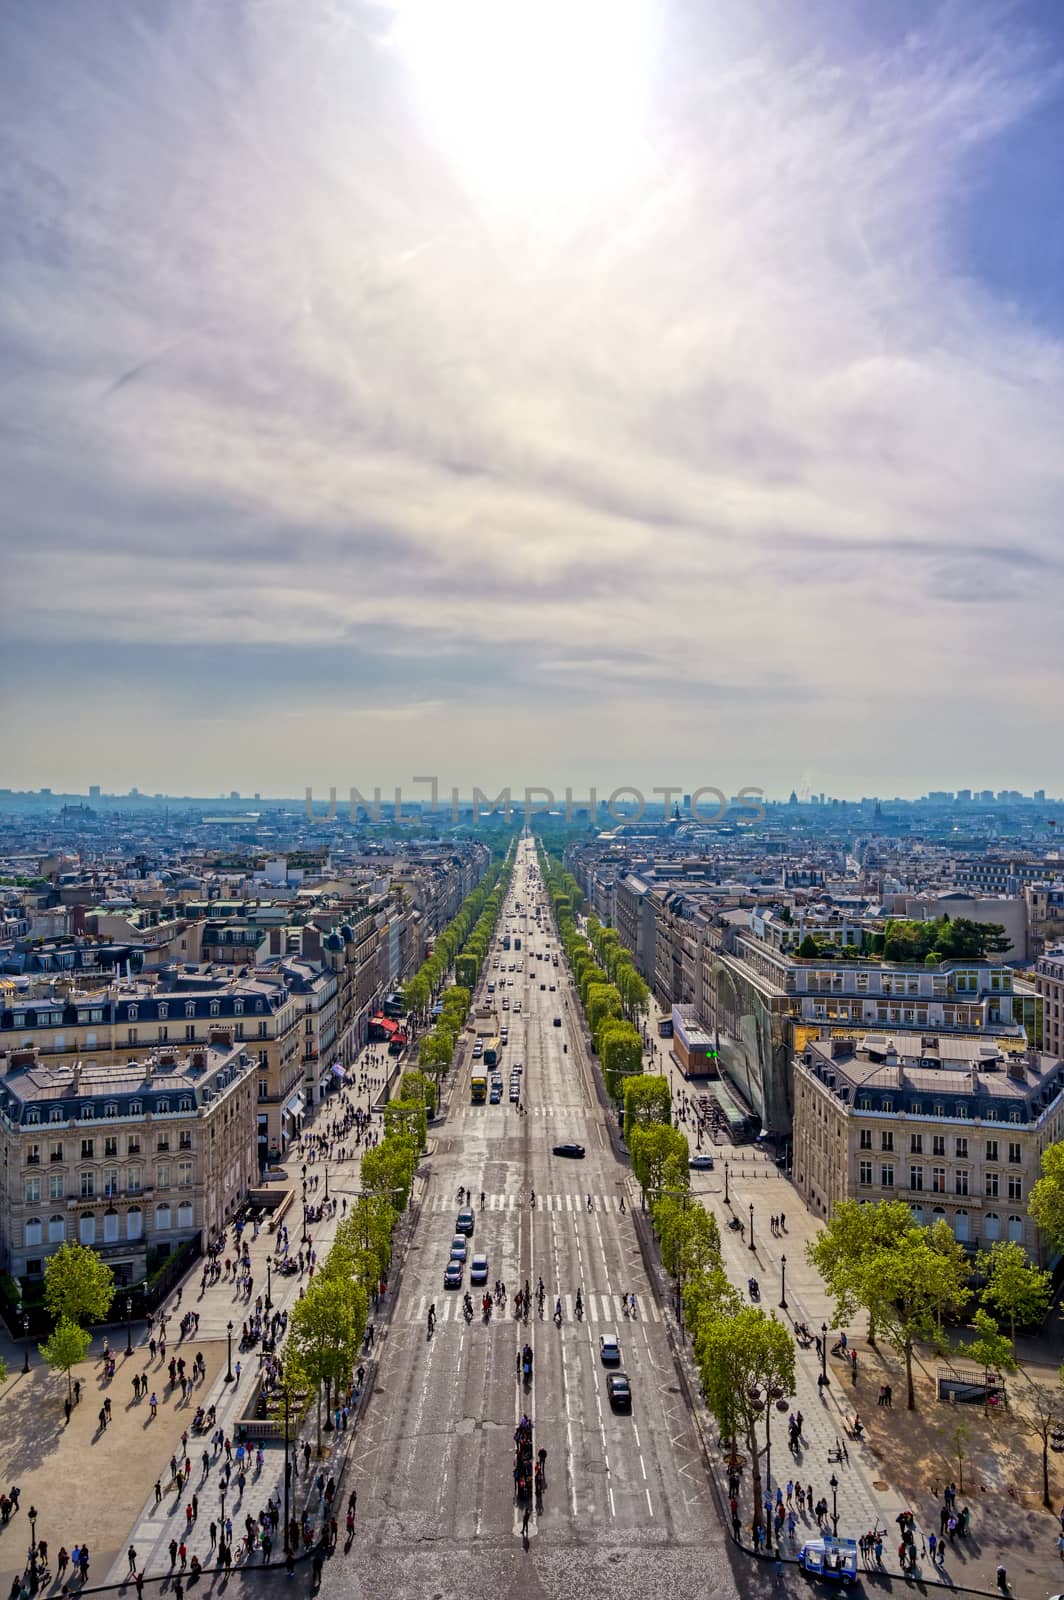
620,1391
576,1151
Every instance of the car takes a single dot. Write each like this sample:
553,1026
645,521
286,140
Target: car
701,1163
516,1067
495,1097
515,1092
609,1350
459,1247
557,1022
453,1274
575,1151
552,988
543,986
620,1391
478,1269
466,1222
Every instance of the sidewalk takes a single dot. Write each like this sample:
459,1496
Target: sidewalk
865,1500
219,1305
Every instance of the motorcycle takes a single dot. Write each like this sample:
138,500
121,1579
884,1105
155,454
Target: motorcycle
735,1224
754,1288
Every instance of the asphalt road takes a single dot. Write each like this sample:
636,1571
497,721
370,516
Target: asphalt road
627,1500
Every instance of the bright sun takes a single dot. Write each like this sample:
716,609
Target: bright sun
540,106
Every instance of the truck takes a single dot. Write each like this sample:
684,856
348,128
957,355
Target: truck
478,1089
517,943
491,1053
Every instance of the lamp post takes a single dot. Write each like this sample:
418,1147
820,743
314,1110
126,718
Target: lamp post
727,1202
33,1534
783,1283
229,1336
751,1224
287,1475
26,1337
834,1503
129,1328
269,1302
326,1183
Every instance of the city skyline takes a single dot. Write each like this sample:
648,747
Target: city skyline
533,393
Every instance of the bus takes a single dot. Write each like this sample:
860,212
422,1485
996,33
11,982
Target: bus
478,1089
491,1052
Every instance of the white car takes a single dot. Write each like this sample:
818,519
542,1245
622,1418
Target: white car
610,1350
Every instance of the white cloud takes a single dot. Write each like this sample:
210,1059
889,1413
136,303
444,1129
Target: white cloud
275,373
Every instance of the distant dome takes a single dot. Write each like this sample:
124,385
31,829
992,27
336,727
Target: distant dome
334,942
348,933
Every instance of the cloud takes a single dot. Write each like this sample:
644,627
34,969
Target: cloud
285,388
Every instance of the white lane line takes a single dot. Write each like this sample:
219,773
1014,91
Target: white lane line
650,1506
643,1467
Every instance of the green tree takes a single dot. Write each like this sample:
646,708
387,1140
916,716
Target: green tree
990,1349
621,1052
326,1329
1046,1204
1015,1289
911,1286
839,1252
78,1286
650,1150
808,950
66,1346
647,1100
746,1361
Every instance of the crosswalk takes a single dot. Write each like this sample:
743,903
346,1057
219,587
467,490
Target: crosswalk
598,1308
575,1202
547,1113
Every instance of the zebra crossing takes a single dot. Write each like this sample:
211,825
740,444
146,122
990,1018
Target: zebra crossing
598,1308
546,1112
574,1202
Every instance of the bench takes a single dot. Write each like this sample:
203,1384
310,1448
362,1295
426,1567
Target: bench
278,1215
853,1431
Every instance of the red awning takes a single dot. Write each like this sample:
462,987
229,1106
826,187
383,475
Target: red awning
386,1023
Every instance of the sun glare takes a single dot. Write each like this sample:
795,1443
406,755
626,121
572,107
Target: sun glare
538,105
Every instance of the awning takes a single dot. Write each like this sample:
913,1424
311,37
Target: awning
296,1106
384,1022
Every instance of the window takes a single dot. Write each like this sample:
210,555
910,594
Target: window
110,1110
88,1185
865,1103
916,1144
916,1177
1016,1229
110,1181
190,1008
960,1181
162,1218
162,1175
938,1180
886,1141
1014,1152
56,1230
960,1149
133,1180
164,1010
56,1186
215,1008
87,1113
110,1227
238,1008
133,1145
938,1145
886,1177
33,1155
110,1147
56,1114
866,1138
34,1230
991,1185
184,1104
991,1149
162,1108
87,1228
991,1226
88,1149
33,1117
134,1222
961,1110
991,1114
131,1014
184,1141
135,1108
162,1142
33,1190
190,1032
184,1214
55,1150
1015,1188
865,1173
887,1105
184,1174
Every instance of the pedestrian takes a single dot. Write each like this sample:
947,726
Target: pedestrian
158,1490
932,1546
173,1552
138,1579
779,1566
214,1534
67,1409
132,1554
153,1404
1002,1578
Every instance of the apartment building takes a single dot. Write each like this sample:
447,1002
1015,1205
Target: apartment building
955,1127
1049,981
1045,915
127,1157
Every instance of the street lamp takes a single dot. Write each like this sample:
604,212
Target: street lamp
751,1224
824,1349
326,1183
269,1302
26,1336
287,1475
783,1283
834,1503
33,1533
129,1330
229,1336
726,1200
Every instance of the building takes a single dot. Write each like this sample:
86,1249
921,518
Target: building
130,1157
955,1127
1049,981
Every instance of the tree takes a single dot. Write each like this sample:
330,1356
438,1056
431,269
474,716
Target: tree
78,1286
651,1148
1046,1205
991,1349
910,1286
647,1100
746,1361
326,1331
67,1345
840,1251
1040,1412
808,950
1014,1288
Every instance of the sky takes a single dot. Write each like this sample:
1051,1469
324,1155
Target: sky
563,392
